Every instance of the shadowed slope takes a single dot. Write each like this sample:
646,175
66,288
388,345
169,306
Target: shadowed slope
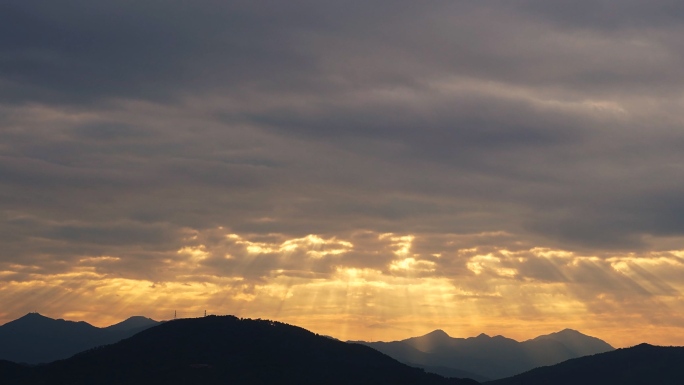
9,371
639,365
220,350
432,363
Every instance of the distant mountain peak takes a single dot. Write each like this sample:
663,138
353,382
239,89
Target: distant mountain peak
34,315
579,343
567,331
491,356
437,333
429,341
643,345
132,323
30,319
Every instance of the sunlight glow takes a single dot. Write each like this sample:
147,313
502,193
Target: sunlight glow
411,264
481,263
400,244
317,282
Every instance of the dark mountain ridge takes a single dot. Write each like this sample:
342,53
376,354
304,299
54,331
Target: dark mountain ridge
35,338
132,323
484,357
576,342
639,365
226,349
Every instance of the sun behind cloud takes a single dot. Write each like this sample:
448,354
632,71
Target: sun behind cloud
319,283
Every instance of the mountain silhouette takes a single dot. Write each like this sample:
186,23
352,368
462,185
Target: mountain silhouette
133,323
576,342
639,365
484,357
227,350
429,341
35,338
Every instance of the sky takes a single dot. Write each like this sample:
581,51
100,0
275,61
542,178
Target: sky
369,170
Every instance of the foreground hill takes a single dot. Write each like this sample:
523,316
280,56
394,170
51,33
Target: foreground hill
639,365
484,357
227,350
34,338
10,370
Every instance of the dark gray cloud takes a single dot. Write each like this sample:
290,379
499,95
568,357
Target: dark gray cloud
126,125
82,51
604,14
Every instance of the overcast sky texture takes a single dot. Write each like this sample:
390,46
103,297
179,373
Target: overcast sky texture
366,169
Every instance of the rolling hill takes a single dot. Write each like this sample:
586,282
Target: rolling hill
226,349
639,365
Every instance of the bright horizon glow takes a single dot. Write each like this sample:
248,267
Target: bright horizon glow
517,294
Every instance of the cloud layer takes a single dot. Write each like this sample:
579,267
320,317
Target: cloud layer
255,148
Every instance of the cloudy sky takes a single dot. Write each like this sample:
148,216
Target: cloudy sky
366,169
